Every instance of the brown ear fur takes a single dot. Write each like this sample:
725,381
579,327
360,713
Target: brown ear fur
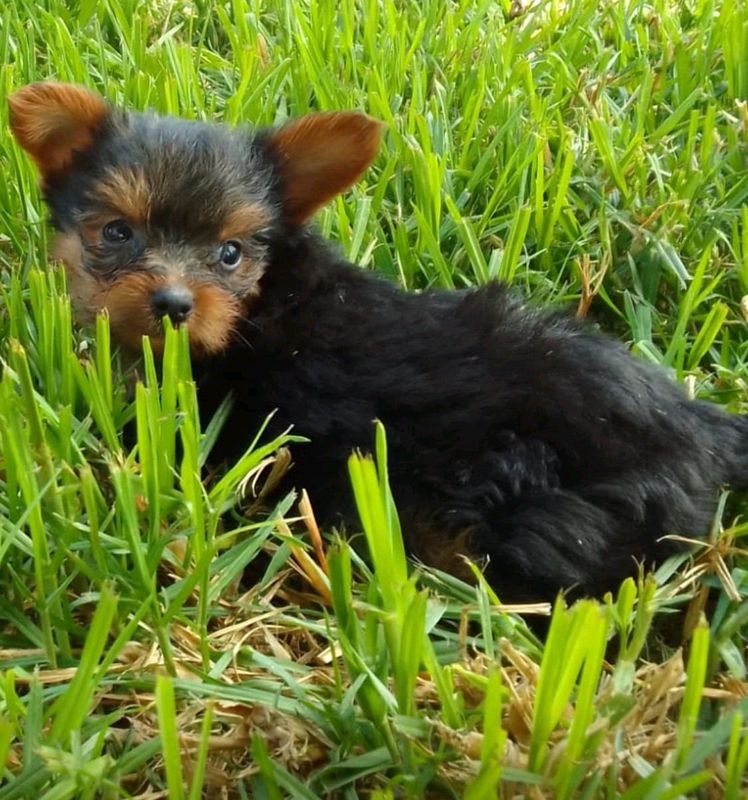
322,155
51,121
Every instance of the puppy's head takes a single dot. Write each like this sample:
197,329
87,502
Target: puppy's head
165,217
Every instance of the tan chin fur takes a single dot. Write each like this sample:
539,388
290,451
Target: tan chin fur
214,319
128,303
210,325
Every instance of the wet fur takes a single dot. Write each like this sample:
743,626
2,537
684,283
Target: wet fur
518,437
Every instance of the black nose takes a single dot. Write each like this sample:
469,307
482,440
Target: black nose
172,301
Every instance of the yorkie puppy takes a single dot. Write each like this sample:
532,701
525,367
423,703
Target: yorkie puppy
518,438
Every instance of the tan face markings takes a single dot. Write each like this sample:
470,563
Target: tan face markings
210,325
127,193
128,302
83,287
68,249
214,319
244,221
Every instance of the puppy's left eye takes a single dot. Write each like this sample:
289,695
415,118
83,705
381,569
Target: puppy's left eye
230,255
117,232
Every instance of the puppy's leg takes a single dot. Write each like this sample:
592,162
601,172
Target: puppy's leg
540,543
559,541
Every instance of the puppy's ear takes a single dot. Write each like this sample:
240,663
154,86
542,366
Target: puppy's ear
322,155
52,121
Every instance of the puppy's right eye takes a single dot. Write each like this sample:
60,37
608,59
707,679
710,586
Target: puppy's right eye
117,232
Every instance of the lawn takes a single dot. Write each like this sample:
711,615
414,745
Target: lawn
592,153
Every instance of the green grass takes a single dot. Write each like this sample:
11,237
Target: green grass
595,155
